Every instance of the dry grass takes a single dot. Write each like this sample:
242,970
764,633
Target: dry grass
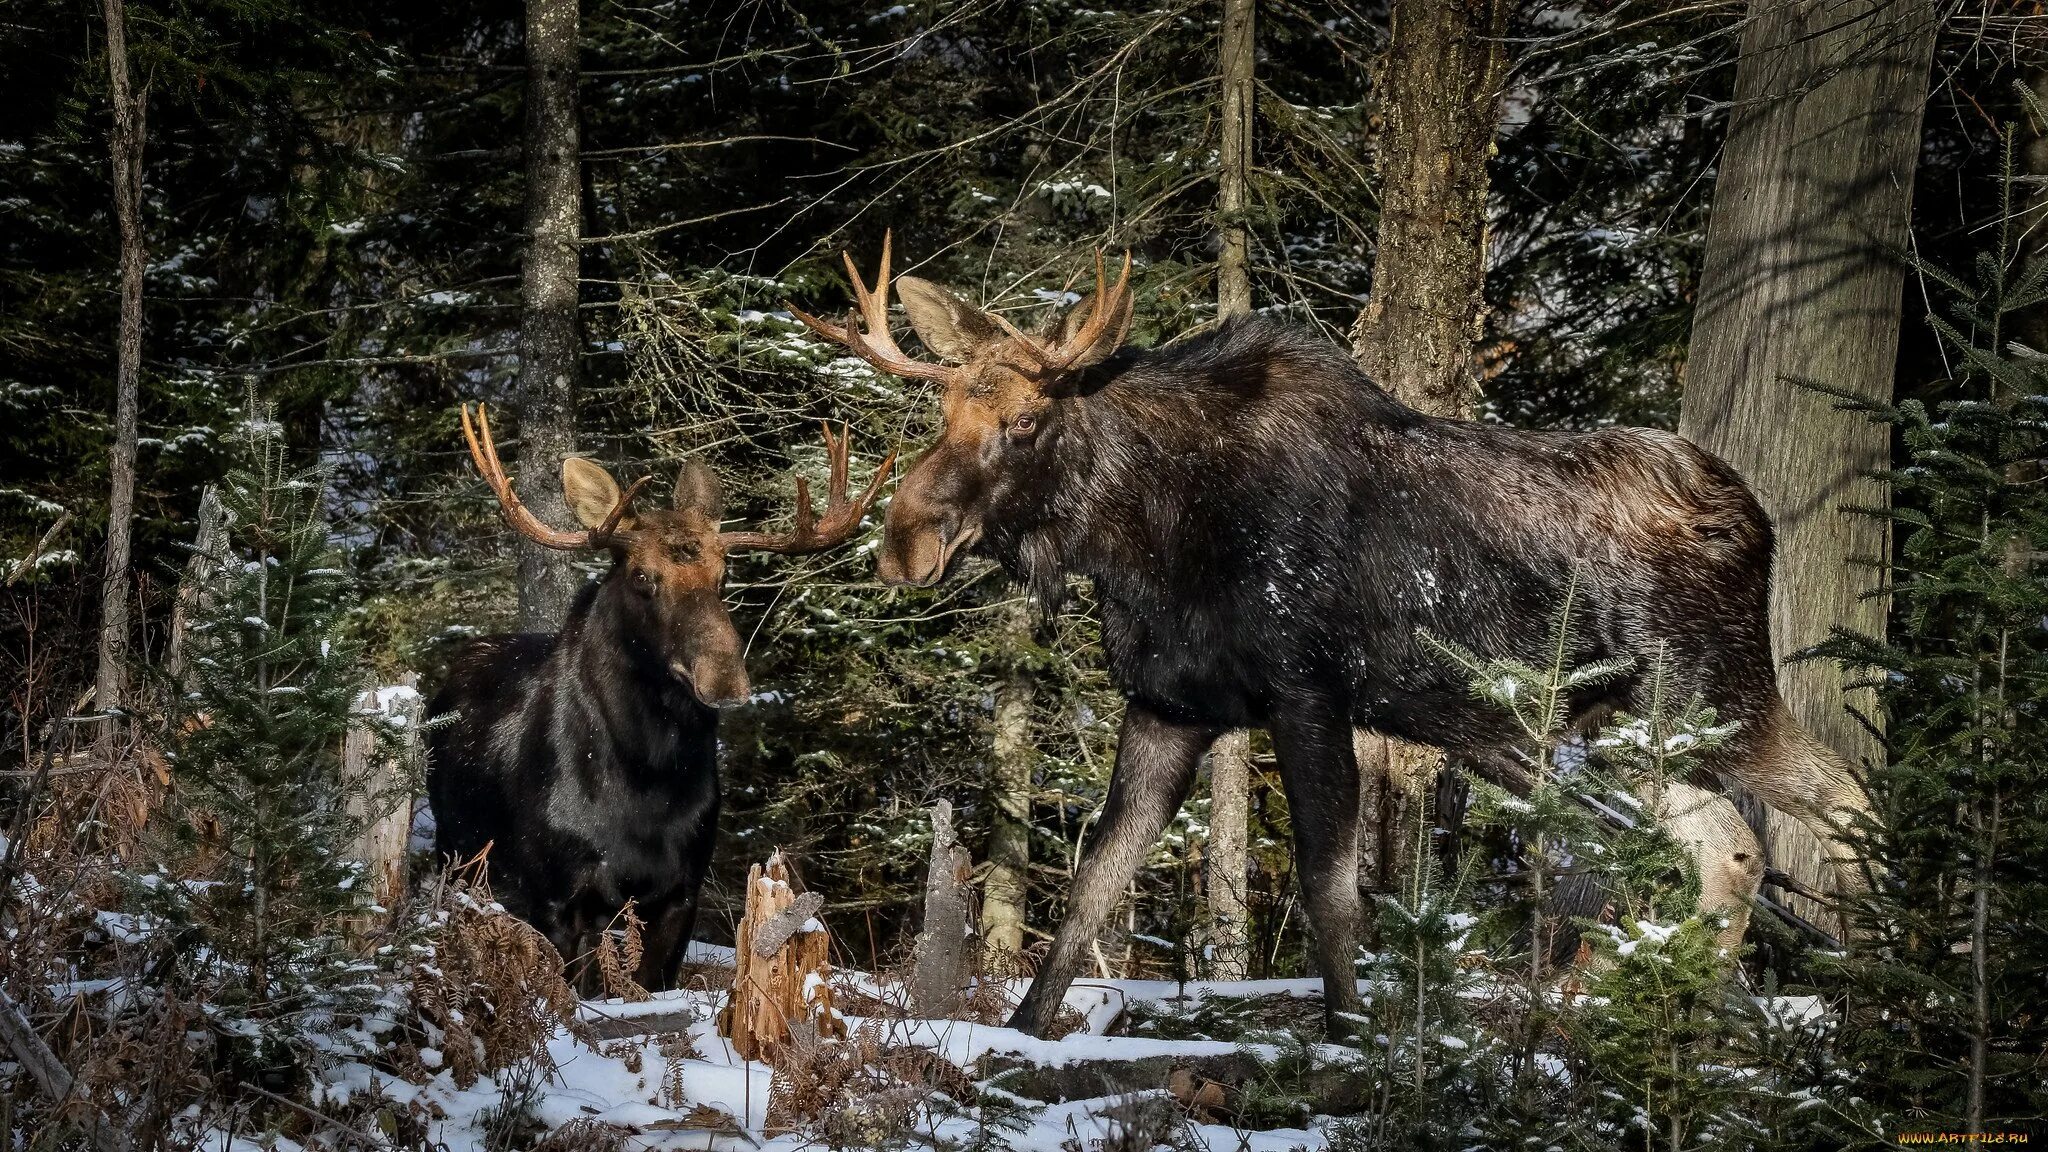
583,1136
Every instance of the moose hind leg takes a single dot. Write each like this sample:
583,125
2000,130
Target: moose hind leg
1155,766
1320,772
1725,852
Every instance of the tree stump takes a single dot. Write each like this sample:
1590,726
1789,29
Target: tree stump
940,965
379,767
781,982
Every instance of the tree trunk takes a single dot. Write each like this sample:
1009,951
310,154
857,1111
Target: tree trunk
1439,91
1230,756
1815,186
377,775
1230,760
1006,892
782,977
550,339
192,586
1233,259
111,690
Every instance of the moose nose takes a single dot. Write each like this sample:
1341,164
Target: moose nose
723,684
715,682
914,556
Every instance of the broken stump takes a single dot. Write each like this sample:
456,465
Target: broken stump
781,982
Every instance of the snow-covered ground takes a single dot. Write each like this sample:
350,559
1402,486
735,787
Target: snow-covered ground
723,1101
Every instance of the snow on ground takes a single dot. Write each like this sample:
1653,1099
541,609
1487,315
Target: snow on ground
712,1100
623,1081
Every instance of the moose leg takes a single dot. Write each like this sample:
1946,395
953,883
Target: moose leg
1320,772
1725,852
581,924
1155,766
1798,775
662,943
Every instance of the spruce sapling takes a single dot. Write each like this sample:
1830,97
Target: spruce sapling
250,903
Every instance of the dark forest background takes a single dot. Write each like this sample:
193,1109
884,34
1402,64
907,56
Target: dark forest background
332,211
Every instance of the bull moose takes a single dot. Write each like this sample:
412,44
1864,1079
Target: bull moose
1268,533
587,760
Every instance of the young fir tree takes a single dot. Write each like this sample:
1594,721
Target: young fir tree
1654,1053
251,902
1944,1016
1432,1062
1661,1042
1550,825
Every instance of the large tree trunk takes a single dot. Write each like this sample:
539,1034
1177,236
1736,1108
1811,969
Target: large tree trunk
1005,892
1815,186
111,691
550,339
1230,756
1439,94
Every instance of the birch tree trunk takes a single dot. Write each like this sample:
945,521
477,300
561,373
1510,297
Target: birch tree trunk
1439,94
1233,259
1230,763
1815,186
550,339
1006,891
111,687
1230,755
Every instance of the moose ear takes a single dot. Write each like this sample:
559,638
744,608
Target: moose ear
1111,337
697,488
590,492
949,326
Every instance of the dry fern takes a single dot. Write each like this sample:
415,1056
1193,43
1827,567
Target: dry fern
619,950
493,985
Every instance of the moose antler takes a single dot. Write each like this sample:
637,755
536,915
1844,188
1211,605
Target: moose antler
875,345
1108,305
483,451
842,516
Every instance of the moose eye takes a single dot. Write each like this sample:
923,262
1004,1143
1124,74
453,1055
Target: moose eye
1024,427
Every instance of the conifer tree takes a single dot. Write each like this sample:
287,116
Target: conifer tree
1944,1014
252,899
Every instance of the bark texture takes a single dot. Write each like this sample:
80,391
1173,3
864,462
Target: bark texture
1439,91
1006,890
1439,95
111,686
1230,760
941,965
782,977
1230,756
1233,193
550,338
1815,186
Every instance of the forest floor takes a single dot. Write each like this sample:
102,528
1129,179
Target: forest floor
1199,1065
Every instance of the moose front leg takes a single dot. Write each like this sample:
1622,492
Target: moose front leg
663,942
1320,772
1155,766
